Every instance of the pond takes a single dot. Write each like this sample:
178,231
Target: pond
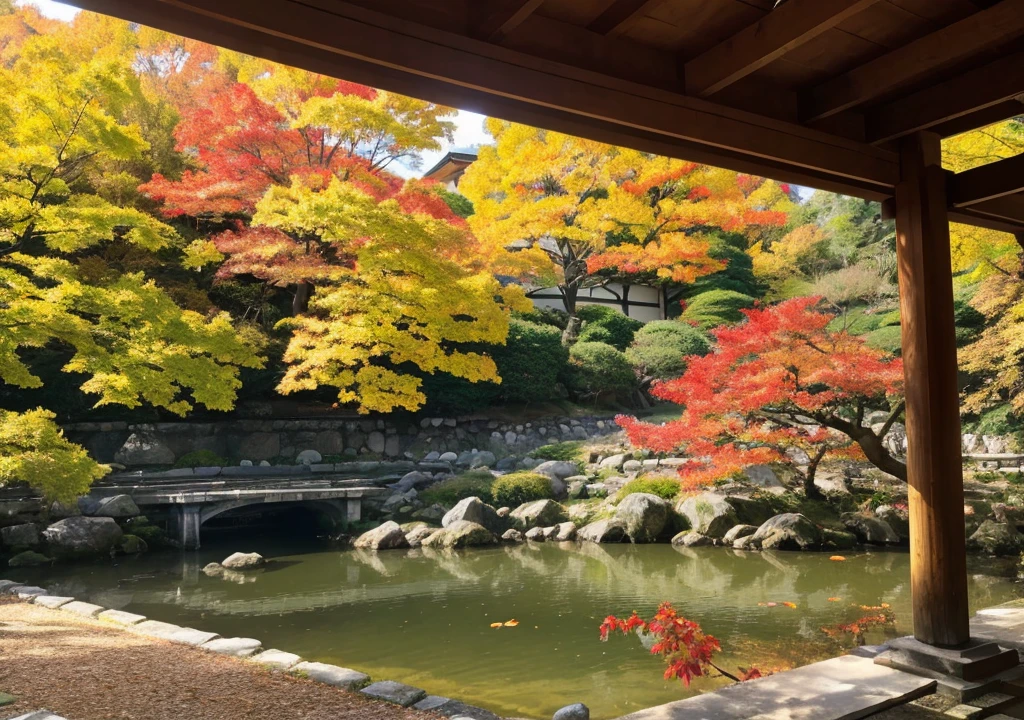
424,617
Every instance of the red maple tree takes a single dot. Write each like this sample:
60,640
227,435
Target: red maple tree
242,145
685,647
779,381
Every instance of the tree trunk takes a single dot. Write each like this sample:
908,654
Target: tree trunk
811,491
625,300
878,456
572,331
300,302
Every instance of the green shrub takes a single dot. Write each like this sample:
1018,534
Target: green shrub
999,420
599,369
969,323
476,483
530,362
738,274
716,307
659,347
605,324
200,458
544,316
516,488
664,487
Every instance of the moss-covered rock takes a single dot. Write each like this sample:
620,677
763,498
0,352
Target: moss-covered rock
28,558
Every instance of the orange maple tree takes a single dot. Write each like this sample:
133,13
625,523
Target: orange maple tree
779,381
685,647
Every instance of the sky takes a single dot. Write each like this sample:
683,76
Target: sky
469,129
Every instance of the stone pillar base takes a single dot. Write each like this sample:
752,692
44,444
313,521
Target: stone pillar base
965,672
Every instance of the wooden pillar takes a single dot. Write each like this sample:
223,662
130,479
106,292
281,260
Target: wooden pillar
938,560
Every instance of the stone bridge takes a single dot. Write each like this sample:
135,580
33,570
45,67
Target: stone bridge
192,503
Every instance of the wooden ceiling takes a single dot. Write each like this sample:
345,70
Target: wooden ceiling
816,92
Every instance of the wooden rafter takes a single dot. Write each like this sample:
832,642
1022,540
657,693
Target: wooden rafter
388,52
1009,209
621,15
985,87
987,182
505,19
980,118
983,31
785,28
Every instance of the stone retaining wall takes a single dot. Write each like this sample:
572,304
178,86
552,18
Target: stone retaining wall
281,441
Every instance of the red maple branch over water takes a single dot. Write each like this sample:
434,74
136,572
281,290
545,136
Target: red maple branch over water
685,647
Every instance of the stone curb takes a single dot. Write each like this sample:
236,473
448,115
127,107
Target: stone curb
248,649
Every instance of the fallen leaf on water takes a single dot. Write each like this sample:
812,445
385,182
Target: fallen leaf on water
834,599
762,604
789,604
495,625
837,558
511,623
772,604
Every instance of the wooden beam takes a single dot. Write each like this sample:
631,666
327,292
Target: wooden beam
621,15
938,555
984,31
987,182
990,85
387,52
505,19
785,28
980,118
1008,209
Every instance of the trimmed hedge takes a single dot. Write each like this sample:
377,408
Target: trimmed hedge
716,307
605,324
516,488
659,348
599,369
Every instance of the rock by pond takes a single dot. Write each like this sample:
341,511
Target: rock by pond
644,515
77,536
870,530
995,538
459,534
611,530
539,513
475,510
709,514
387,536
243,561
789,531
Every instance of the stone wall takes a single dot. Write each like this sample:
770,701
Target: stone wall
281,441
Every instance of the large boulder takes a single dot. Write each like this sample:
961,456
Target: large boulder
709,514
870,530
384,537
996,538
416,536
897,519
560,469
645,516
603,531
459,534
243,561
565,531
613,461
83,536
475,510
789,531
412,481
750,511
25,535
117,506
689,538
737,532
142,449
475,458
539,513
763,476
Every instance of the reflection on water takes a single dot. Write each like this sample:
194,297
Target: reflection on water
423,617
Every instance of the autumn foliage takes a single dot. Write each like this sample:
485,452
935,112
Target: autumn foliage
686,649
777,381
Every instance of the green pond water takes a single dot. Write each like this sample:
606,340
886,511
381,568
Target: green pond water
424,617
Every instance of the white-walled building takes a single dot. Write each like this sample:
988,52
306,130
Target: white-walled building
640,302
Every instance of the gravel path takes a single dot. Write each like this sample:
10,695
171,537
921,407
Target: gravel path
84,670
